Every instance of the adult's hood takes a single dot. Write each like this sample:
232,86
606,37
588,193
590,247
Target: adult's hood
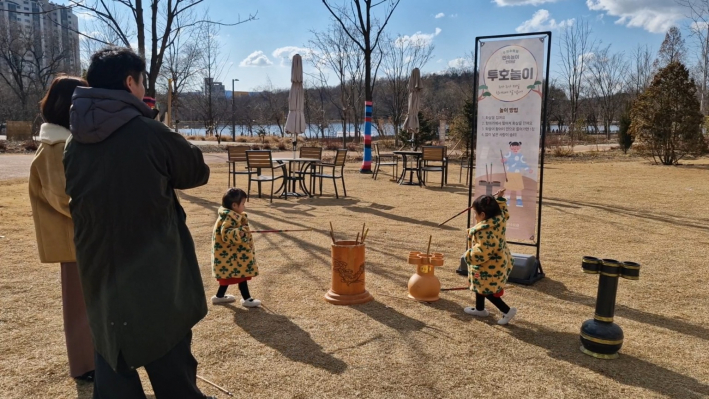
52,134
97,113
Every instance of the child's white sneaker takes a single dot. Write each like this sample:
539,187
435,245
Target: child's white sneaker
506,318
250,303
475,312
225,299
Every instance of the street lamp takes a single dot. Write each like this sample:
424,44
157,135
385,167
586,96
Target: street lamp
233,123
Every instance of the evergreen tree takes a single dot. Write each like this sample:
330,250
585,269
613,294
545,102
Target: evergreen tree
666,117
625,139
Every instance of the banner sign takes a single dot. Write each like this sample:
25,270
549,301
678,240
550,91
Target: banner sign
509,114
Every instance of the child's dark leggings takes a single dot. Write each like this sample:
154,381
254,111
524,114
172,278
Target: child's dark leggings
243,288
498,302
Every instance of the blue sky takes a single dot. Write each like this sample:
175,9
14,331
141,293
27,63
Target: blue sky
259,51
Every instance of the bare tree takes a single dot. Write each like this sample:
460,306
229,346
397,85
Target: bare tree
155,30
15,61
316,100
672,49
699,30
607,73
274,106
366,35
331,50
401,56
211,66
641,71
182,65
30,58
575,47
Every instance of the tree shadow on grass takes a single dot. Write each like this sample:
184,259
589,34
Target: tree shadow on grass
691,221
558,290
395,320
280,333
626,370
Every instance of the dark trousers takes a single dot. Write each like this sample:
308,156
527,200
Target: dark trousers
498,302
172,376
243,288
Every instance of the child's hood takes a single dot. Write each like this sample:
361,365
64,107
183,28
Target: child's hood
487,224
224,212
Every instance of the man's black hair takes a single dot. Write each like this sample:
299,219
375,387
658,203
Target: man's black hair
111,66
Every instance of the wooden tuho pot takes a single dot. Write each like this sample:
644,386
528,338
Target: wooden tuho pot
424,286
348,274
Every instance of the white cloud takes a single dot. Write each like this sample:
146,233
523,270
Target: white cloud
256,59
440,15
440,61
86,16
698,26
460,63
286,53
453,15
417,39
656,16
508,3
541,21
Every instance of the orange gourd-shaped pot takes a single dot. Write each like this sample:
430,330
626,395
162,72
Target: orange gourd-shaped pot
348,274
424,285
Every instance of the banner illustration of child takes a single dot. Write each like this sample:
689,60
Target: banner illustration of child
515,164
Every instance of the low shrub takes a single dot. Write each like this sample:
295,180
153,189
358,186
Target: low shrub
3,146
255,146
30,145
562,151
266,146
282,146
242,139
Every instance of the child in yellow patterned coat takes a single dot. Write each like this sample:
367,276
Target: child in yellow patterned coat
488,257
233,254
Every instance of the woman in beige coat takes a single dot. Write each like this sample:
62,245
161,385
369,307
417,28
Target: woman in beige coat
53,225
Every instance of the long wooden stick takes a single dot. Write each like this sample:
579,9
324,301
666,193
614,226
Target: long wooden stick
357,239
279,231
363,224
214,385
365,235
332,233
455,216
455,289
502,159
428,251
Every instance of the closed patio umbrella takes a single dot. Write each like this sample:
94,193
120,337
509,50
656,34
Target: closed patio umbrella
412,119
295,124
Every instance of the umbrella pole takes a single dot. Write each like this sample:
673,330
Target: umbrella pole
295,142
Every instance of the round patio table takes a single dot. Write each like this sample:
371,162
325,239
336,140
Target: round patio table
414,155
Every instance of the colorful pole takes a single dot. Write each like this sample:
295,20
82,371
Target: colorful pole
367,160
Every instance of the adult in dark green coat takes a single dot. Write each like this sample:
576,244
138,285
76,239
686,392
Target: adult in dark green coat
136,257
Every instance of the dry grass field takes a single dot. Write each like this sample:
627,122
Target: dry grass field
299,346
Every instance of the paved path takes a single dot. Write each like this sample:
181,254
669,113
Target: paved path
13,166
